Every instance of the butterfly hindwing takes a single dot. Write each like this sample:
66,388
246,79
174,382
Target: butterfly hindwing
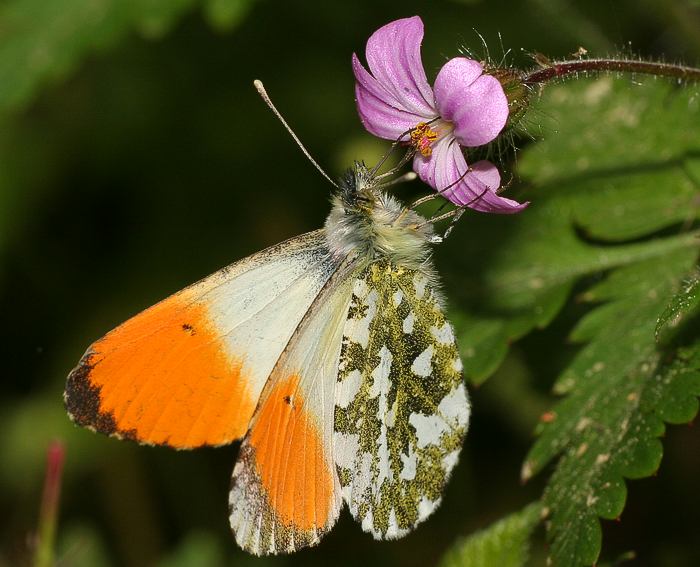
401,407
188,371
285,493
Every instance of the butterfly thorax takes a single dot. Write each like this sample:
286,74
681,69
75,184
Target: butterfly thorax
367,222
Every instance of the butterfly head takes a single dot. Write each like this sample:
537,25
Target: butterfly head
358,189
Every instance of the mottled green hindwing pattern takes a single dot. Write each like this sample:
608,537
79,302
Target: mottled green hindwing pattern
401,407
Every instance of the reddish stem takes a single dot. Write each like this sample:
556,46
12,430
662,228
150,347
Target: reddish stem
558,69
52,483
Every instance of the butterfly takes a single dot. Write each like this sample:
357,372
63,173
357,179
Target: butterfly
329,355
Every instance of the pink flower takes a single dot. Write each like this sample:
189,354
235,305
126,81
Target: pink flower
465,108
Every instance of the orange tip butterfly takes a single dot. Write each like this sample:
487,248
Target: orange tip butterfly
330,357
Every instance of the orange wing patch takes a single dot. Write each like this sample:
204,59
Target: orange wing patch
289,460
163,377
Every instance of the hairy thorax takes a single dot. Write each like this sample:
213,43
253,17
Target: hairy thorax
373,225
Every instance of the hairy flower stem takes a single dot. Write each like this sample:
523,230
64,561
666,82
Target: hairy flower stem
560,69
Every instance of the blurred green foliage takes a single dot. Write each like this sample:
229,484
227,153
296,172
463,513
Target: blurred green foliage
506,543
135,157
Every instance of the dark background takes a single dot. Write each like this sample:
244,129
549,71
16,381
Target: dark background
153,163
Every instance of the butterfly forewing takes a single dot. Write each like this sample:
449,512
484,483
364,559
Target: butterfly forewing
285,492
189,371
401,407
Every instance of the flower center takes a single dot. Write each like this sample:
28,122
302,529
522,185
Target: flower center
422,138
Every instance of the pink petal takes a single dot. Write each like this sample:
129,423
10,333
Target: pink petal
393,56
476,190
475,102
381,113
486,177
486,173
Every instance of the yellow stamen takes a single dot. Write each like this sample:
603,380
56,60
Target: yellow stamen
422,137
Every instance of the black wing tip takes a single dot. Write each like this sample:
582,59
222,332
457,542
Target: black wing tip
82,399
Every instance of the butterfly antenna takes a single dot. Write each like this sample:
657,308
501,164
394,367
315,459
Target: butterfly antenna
263,93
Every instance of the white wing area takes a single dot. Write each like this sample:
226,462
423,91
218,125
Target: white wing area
257,303
285,493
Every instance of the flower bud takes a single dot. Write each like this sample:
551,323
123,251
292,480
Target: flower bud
516,91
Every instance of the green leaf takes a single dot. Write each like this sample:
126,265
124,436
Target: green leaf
608,426
683,305
503,544
483,344
617,175
614,188
618,165
593,129
618,438
526,284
